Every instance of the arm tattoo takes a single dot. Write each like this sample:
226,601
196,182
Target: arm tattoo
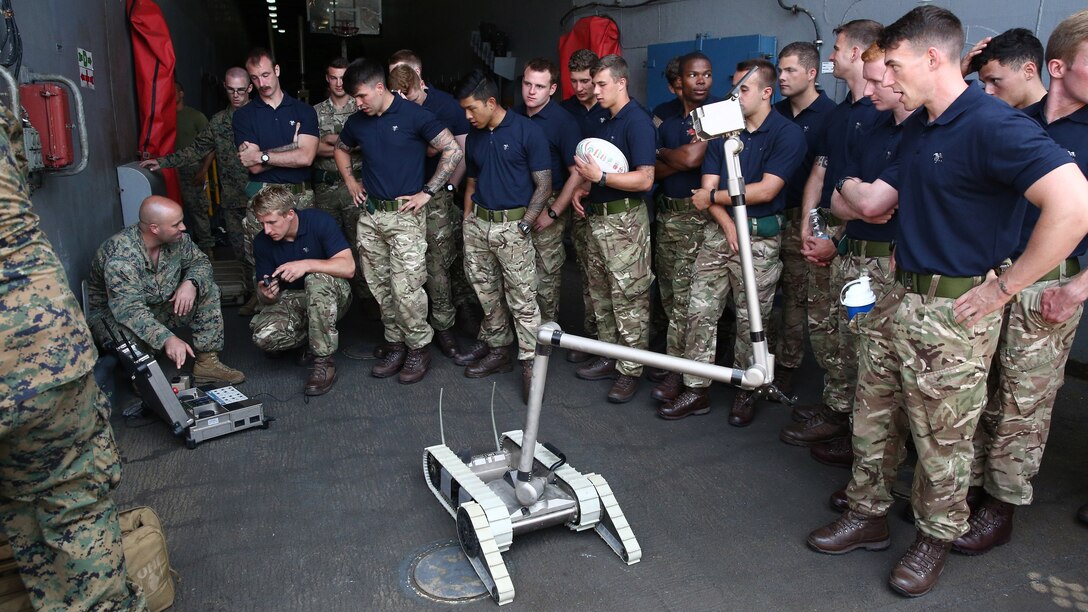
287,147
543,191
821,160
343,147
451,156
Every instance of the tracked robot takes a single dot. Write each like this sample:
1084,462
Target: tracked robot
524,485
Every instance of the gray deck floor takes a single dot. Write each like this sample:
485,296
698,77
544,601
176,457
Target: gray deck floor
324,510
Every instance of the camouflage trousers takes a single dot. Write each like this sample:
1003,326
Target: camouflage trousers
233,220
336,200
619,280
205,320
580,237
943,376
550,257
251,227
393,250
789,344
195,200
441,253
822,327
679,236
58,464
880,428
310,314
717,273
1012,433
501,265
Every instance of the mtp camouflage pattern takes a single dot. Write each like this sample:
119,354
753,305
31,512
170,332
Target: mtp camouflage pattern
551,254
304,315
679,237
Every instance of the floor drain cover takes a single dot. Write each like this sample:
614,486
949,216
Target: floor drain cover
441,572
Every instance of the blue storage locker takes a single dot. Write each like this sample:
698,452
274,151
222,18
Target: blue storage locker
724,53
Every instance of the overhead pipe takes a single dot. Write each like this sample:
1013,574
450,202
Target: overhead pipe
797,9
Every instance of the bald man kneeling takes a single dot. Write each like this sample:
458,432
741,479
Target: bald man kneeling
150,278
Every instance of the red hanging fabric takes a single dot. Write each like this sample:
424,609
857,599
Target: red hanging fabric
153,56
600,35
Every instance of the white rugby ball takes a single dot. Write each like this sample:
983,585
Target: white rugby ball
608,156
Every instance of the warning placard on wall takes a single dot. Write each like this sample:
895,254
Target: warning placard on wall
86,68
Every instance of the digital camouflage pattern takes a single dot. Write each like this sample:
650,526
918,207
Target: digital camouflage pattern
441,254
619,279
58,459
551,254
393,247
500,262
194,197
579,234
679,237
1012,434
301,316
880,427
717,274
125,290
789,345
943,372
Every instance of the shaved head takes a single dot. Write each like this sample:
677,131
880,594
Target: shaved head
238,73
158,210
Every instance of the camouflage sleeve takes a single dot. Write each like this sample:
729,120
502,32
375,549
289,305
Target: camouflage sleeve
128,303
195,266
195,152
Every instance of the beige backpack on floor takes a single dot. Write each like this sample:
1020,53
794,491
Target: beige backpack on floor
146,558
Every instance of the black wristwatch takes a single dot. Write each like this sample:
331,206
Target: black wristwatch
427,190
600,183
524,228
551,213
264,158
842,181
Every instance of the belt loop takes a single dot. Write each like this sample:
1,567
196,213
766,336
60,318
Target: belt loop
933,282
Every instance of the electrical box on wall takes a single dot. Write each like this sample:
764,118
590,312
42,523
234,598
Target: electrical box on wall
46,107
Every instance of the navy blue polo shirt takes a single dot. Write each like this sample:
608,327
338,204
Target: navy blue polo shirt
846,126
589,119
674,132
813,122
960,181
450,113
318,237
776,147
563,134
877,151
1071,133
393,146
632,131
502,161
269,128
668,109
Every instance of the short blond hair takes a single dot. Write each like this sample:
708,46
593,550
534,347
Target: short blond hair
273,199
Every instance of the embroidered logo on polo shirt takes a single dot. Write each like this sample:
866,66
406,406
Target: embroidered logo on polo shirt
1072,154
938,158
396,127
505,147
292,123
804,128
305,249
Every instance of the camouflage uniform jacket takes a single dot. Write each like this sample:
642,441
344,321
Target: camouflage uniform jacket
331,121
218,136
44,340
124,284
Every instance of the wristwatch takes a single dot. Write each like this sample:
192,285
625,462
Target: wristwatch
842,181
600,183
551,213
524,228
264,157
427,190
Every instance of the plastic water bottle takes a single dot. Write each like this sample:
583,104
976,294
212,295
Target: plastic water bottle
818,225
857,296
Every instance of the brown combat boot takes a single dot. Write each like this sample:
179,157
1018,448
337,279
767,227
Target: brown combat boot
322,376
476,352
447,342
575,356
623,389
991,525
392,362
669,387
839,501
783,379
804,412
820,429
599,369
251,307
837,453
497,361
744,409
209,369
416,365
691,401
851,531
917,572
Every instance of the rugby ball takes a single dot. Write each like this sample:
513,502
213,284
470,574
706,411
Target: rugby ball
607,156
